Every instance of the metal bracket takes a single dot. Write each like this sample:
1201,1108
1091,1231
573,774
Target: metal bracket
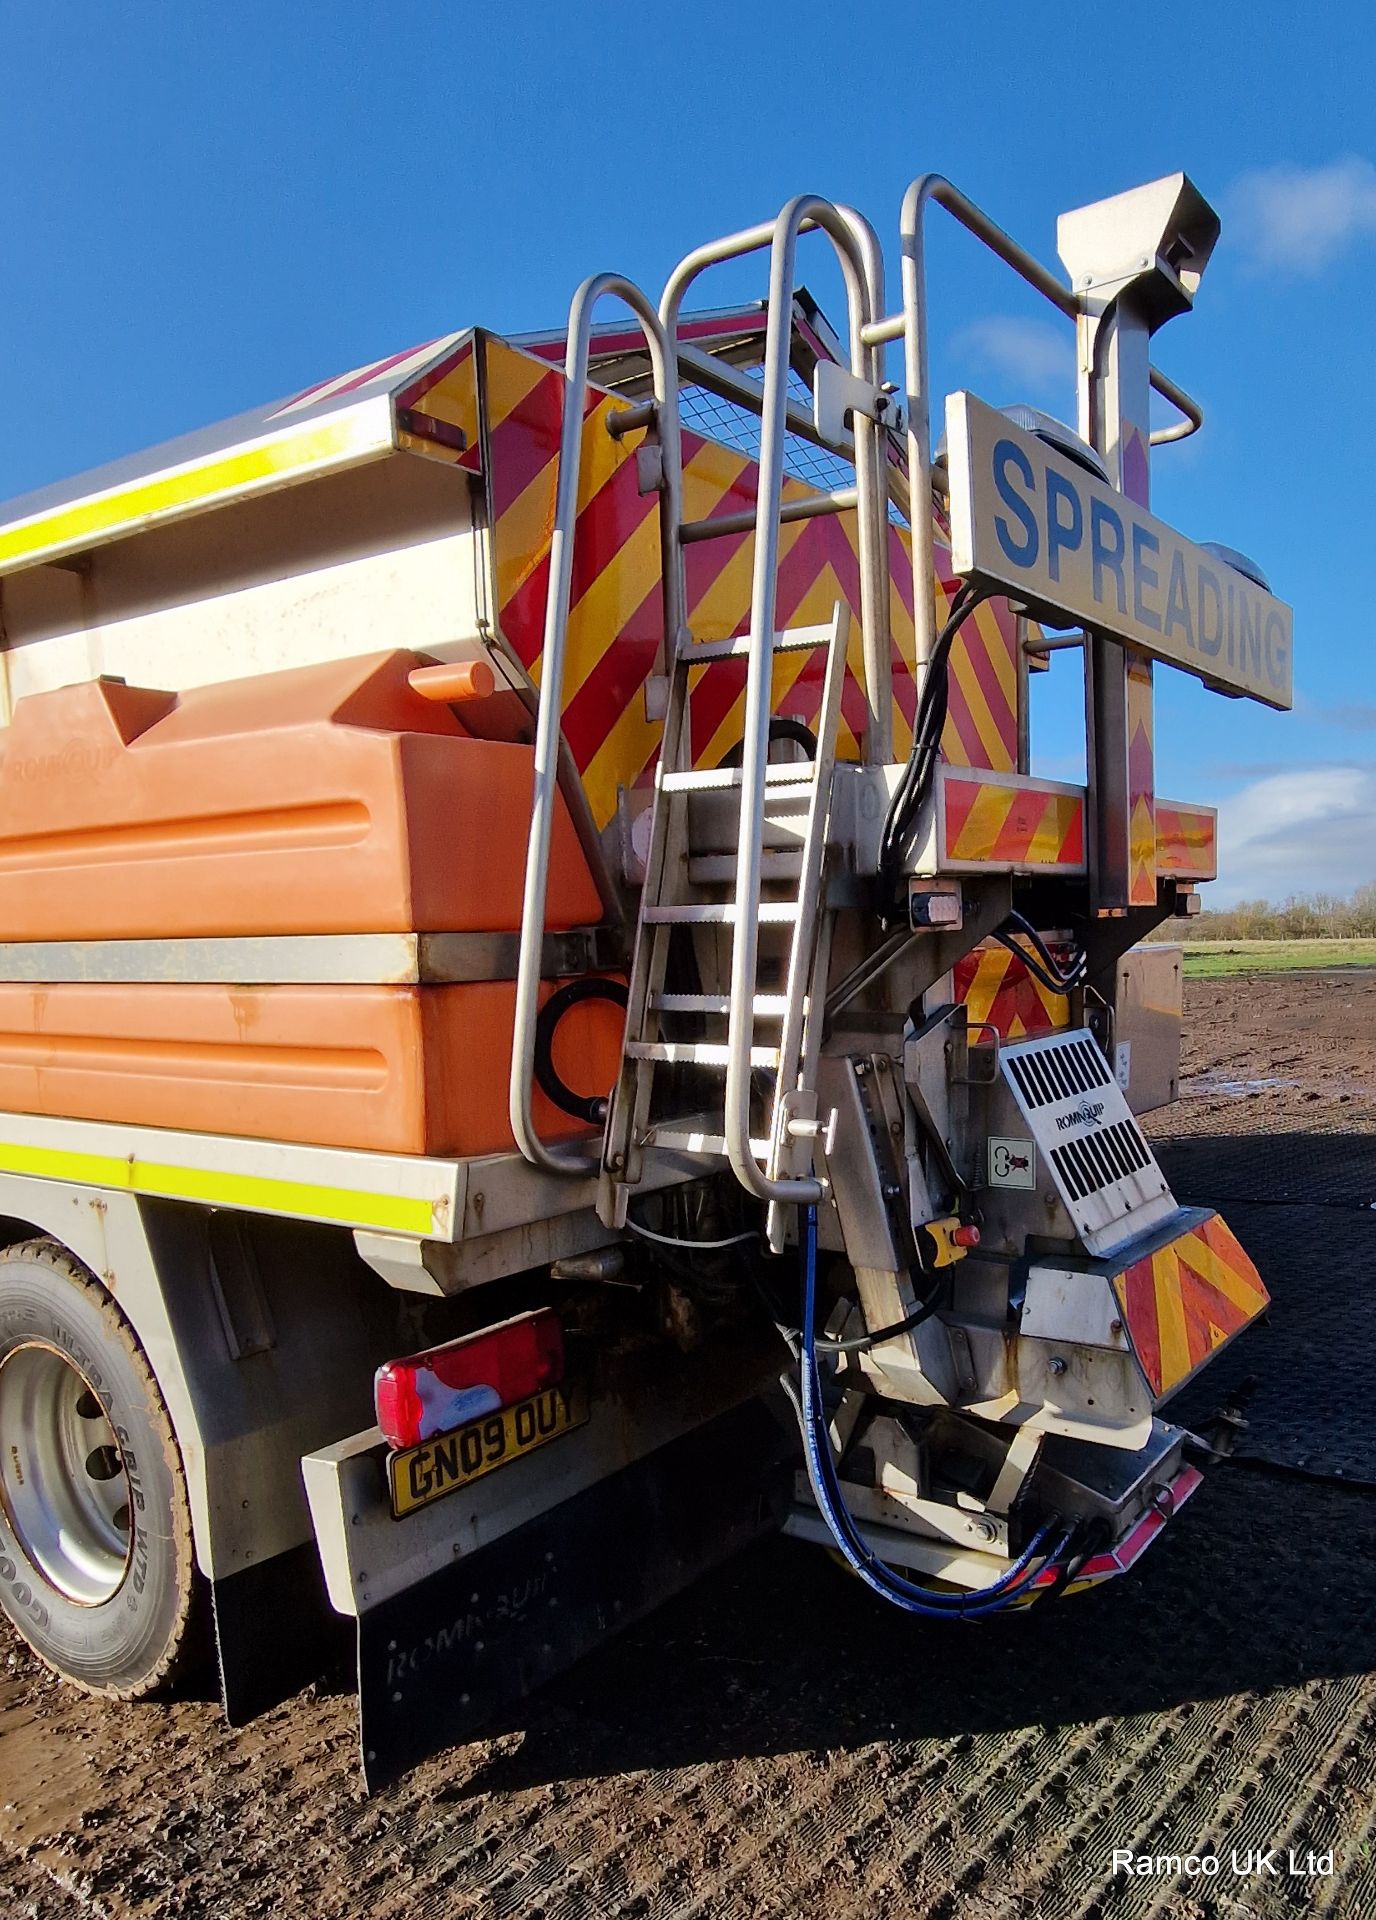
838,395
1018,1462
802,1121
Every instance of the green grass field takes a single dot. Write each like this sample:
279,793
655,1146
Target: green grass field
1208,959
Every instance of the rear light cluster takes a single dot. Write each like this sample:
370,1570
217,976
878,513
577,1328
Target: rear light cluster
432,1392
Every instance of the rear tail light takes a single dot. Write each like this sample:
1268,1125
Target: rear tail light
432,1392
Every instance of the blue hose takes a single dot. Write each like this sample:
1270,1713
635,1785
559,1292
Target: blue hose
826,1491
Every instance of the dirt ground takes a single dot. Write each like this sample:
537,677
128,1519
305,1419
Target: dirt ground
1297,1051
778,1743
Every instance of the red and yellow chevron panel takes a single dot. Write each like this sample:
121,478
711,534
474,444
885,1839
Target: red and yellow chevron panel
1181,1303
442,408
1141,784
1012,821
614,624
1186,841
998,991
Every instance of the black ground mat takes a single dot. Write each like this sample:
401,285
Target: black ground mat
1303,1169
1297,1204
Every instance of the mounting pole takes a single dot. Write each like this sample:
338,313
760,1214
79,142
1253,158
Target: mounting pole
1135,262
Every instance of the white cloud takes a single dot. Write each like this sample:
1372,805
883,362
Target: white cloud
1310,830
1039,357
1301,218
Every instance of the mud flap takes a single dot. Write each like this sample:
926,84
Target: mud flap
438,1661
275,1632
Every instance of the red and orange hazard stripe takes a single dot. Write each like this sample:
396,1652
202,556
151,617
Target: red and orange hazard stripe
997,990
614,625
1186,841
1016,822
1181,1303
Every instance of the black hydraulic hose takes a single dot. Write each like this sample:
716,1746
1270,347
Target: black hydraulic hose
589,1107
906,1594
930,720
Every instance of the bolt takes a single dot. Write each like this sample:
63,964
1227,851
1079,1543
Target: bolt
862,1067
617,1162
895,1127
1057,1364
1115,1327
982,1529
883,1063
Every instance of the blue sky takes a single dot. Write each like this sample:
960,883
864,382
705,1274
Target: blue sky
207,207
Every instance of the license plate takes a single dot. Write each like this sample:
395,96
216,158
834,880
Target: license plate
453,1460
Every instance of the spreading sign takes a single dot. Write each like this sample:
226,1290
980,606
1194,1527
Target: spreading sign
1032,523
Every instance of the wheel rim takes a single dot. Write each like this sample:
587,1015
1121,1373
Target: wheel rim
62,1479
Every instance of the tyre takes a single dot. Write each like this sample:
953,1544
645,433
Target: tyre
96,1562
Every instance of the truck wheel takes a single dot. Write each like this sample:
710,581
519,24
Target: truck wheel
96,1564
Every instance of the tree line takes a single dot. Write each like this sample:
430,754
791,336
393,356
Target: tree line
1302,916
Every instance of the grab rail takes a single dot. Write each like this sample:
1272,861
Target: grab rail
549,716
911,327
858,252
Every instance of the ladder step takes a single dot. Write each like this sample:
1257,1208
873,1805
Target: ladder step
792,640
719,914
765,1006
696,1053
795,777
710,869
686,1139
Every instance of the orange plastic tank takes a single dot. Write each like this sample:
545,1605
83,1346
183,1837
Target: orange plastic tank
339,798
391,1069
327,799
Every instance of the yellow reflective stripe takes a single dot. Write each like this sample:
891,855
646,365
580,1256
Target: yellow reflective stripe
255,1193
1170,1318
72,526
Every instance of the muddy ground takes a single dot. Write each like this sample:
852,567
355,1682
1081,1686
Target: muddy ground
778,1743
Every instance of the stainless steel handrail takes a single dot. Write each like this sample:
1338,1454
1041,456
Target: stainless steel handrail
1029,268
911,327
549,716
861,266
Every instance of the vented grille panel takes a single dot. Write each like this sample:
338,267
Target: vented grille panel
1096,1160
1087,1140
1061,1071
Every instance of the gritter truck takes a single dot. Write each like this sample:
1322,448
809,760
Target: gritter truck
548,1028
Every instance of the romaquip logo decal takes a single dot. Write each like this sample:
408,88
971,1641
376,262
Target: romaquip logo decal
1085,1115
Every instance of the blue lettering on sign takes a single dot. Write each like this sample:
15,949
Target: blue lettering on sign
1023,553
1249,634
1107,557
1144,576
1228,628
1210,622
1276,649
1178,601
1062,535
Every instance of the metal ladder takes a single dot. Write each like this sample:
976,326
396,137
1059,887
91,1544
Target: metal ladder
670,900
779,1170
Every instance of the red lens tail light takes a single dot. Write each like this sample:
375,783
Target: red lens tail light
435,1391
